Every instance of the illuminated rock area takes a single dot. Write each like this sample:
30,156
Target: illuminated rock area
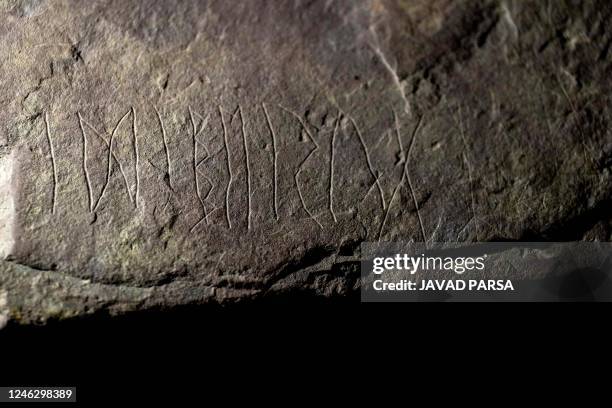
170,153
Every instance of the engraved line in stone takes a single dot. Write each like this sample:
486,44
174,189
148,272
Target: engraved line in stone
137,158
301,166
209,156
197,224
369,161
235,114
416,204
210,190
168,177
405,159
397,134
205,219
212,187
372,188
110,161
405,176
195,164
85,170
53,163
248,167
202,127
127,186
229,169
274,152
331,168
459,122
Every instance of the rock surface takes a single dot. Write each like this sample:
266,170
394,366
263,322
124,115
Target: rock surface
160,153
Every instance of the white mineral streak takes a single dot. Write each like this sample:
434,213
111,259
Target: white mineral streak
4,312
7,206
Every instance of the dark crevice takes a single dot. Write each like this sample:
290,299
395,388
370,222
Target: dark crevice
76,54
36,266
350,247
576,228
311,257
570,230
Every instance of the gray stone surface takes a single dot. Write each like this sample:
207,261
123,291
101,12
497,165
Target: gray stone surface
161,153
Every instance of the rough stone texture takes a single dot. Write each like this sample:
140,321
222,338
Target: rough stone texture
160,153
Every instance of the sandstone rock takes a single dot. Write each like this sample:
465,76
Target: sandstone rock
160,153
